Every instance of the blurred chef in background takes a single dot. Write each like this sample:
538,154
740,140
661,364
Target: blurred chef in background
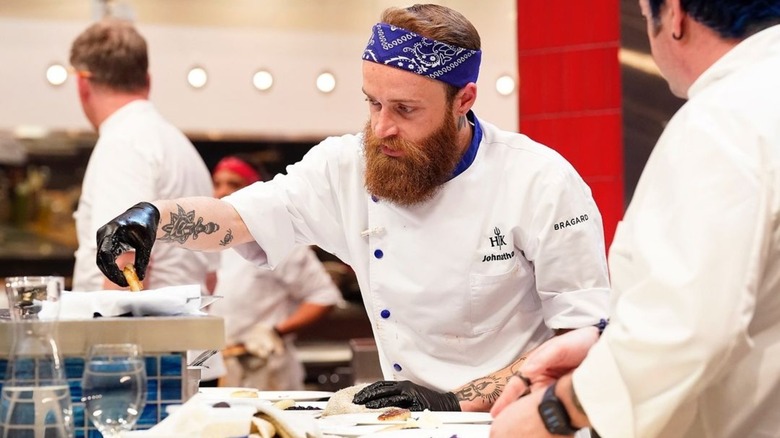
471,244
693,346
138,155
264,308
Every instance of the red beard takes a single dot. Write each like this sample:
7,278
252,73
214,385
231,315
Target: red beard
418,174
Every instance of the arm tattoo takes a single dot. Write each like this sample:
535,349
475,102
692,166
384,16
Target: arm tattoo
515,368
183,226
228,238
487,388
575,400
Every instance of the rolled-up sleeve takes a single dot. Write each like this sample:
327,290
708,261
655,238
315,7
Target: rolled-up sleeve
566,246
299,207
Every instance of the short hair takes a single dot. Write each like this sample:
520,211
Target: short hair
729,18
114,54
436,22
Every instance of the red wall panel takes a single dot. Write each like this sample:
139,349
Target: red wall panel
564,23
555,82
570,93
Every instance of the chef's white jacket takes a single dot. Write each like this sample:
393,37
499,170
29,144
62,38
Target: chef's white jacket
253,295
457,287
693,348
139,157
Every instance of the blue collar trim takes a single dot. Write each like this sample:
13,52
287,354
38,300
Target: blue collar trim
471,152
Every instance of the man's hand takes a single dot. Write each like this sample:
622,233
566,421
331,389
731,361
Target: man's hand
514,389
520,419
407,395
262,341
558,356
136,229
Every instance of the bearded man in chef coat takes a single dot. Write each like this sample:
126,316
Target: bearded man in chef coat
693,346
471,245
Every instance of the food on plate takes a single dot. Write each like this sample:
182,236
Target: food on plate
341,402
244,393
428,420
395,414
303,408
284,404
132,278
270,422
262,427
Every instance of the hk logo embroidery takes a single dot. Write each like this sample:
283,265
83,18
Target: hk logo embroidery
498,239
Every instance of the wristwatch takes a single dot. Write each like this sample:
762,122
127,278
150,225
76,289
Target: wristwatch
554,415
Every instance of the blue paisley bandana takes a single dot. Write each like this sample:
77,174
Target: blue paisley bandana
400,48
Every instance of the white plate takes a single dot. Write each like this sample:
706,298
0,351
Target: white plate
371,418
293,395
348,431
447,431
211,396
225,393
228,393
444,417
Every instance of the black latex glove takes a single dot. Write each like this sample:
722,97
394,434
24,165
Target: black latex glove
136,229
405,394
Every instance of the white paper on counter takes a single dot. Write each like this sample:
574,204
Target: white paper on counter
165,301
200,420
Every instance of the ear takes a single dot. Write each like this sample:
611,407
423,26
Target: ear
84,87
677,18
465,99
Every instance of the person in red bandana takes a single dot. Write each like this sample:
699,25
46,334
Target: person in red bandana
263,308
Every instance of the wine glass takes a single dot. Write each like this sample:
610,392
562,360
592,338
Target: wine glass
114,387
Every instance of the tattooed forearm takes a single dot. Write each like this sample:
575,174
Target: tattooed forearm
515,368
228,238
183,226
487,389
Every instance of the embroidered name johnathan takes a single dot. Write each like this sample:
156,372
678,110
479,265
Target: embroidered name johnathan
497,240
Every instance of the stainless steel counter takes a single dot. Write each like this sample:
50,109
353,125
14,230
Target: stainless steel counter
153,334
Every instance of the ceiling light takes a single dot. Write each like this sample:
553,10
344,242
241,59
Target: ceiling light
505,85
56,74
326,82
262,80
197,77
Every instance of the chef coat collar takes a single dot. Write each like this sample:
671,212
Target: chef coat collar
471,152
749,51
117,117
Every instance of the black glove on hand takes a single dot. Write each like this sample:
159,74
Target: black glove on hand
136,229
407,395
